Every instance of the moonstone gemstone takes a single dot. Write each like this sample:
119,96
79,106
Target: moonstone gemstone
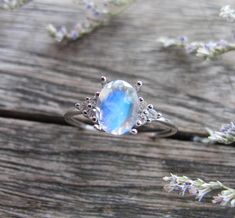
117,107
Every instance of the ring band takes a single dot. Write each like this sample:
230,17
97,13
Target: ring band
118,110
161,126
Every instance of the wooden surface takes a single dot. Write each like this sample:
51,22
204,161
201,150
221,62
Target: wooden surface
56,171
49,169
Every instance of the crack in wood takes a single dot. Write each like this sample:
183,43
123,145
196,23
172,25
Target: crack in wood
59,120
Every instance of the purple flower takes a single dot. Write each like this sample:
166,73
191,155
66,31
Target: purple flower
228,127
74,34
199,188
96,14
183,39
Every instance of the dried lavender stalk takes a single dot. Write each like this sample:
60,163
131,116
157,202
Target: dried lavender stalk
199,188
227,13
12,4
226,135
97,13
206,50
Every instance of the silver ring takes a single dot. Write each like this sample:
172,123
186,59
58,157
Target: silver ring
118,110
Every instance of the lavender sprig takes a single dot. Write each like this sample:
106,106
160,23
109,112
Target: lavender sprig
12,4
227,13
97,13
206,50
199,188
225,135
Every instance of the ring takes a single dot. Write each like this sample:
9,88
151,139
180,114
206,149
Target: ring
118,110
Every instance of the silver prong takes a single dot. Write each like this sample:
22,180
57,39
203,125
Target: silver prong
159,115
141,99
134,131
138,86
94,119
150,106
138,123
139,83
88,99
77,105
103,80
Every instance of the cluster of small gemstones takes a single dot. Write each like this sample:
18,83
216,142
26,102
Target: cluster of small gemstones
147,113
88,107
97,13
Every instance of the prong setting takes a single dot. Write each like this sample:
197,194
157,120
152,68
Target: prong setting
103,80
134,131
84,112
138,123
150,106
94,119
138,85
77,105
145,112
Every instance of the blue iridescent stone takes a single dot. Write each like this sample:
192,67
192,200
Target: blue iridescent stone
117,107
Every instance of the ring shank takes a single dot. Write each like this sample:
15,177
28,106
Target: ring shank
73,117
160,126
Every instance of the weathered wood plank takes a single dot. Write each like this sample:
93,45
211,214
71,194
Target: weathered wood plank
38,76
58,171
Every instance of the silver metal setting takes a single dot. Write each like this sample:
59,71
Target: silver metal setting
147,115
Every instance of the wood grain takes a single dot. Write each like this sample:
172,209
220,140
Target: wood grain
40,77
50,170
58,171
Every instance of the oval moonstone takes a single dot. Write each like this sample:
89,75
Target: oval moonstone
117,107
